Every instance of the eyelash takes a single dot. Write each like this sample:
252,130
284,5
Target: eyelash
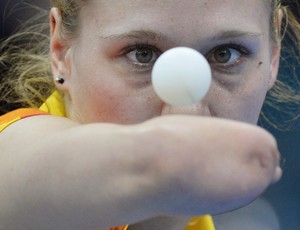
139,45
223,67
237,47
241,48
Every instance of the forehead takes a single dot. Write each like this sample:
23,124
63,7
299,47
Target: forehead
188,16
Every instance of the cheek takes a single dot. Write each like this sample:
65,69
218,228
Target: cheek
244,102
117,105
253,97
99,94
253,102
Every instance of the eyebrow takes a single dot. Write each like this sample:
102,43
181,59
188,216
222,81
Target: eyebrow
235,34
135,34
155,36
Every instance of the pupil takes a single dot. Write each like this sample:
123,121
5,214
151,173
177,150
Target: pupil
223,55
144,55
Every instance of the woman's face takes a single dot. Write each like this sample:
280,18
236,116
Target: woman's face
108,66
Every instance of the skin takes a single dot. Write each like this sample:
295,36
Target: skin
125,92
63,180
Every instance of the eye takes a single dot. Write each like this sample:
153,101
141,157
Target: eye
227,55
142,55
224,55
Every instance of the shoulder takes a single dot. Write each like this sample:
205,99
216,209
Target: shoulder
25,126
16,115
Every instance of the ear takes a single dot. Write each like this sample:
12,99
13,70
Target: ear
276,49
60,52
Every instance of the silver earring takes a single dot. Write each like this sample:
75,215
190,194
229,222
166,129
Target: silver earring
60,80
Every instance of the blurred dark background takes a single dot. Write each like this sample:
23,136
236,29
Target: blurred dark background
284,196
14,12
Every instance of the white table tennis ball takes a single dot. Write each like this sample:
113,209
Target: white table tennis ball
181,76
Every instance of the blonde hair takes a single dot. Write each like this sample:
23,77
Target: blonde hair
282,105
25,66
